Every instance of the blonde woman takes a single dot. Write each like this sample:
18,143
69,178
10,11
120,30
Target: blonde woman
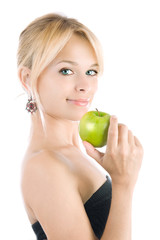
66,196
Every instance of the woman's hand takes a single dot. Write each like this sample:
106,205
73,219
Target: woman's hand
123,156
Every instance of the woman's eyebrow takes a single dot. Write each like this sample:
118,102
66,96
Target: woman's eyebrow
75,63
68,61
95,65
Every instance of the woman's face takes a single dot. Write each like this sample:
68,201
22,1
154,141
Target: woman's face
72,75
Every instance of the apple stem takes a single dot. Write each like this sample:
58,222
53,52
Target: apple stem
98,112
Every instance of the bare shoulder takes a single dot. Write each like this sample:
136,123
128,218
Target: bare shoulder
42,166
50,188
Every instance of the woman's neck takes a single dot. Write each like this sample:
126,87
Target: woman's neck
59,132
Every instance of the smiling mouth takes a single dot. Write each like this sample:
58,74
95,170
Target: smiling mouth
79,102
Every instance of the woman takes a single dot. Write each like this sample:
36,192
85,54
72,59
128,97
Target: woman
66,195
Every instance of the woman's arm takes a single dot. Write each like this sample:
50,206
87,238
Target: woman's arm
118,225
51,190
122,159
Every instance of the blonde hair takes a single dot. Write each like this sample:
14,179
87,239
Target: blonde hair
43,39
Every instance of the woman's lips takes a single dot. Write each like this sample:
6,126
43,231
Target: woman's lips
79,102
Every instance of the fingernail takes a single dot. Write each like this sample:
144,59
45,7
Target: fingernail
114,117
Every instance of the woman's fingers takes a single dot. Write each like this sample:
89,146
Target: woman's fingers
131,138
123,155
92,152
112,133
137,142
122,135
119,134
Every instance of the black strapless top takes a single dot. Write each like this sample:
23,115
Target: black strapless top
97,208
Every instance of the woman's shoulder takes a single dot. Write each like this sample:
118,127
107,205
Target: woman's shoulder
44,174
43,165
45,160
52,197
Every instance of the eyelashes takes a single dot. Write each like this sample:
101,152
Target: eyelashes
91,72
67,71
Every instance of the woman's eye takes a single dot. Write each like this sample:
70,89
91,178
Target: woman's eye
91,72
66,71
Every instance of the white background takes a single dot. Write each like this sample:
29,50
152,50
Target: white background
130,35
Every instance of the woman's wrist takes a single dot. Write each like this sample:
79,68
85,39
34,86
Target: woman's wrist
124,189
119,220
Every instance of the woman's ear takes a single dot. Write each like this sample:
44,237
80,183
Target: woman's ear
24,75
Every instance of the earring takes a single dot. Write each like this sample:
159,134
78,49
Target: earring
31,105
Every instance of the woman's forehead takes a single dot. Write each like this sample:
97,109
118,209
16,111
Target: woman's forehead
75,49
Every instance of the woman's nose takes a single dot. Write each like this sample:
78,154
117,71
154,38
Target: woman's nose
83,84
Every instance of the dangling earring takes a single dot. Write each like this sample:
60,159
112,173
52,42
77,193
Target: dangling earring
31,105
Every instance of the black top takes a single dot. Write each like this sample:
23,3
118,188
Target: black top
97,208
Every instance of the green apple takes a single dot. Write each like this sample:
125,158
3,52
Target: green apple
93,128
